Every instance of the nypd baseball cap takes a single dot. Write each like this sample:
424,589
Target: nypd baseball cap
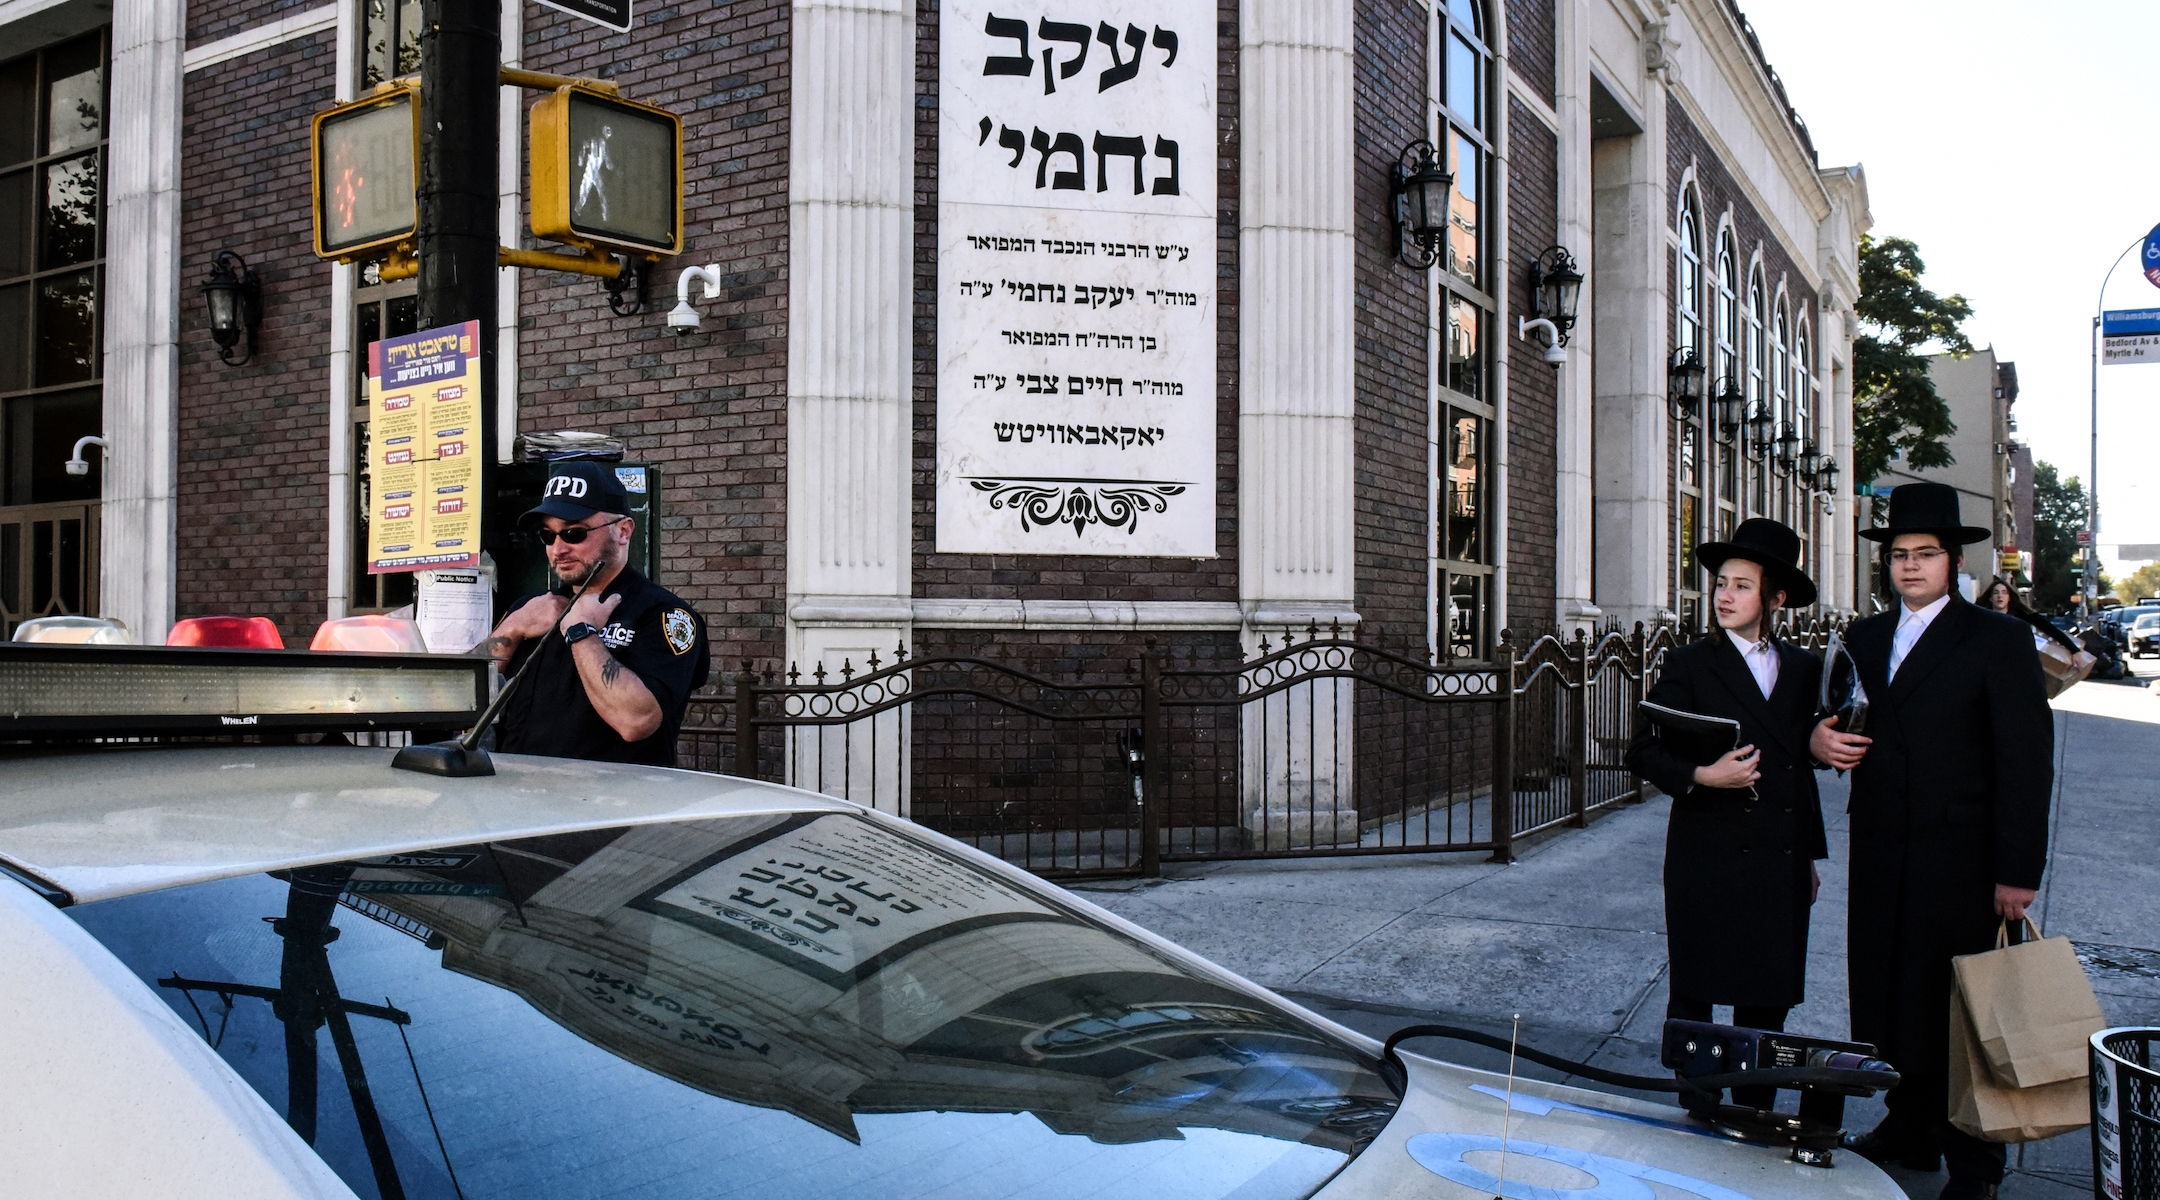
576,491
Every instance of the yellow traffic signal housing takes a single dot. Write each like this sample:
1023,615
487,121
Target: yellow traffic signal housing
366,164
607,172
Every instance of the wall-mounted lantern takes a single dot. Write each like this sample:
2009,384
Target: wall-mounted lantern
235,299
1761,430
1555,288
1418,201
1684,383
1731,408
1788,447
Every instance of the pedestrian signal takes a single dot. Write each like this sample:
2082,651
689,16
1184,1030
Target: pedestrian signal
366,158
606,171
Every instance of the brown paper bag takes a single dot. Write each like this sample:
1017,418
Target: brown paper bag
2033,1009
1993,1113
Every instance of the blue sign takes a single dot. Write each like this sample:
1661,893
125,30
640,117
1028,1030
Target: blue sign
2130,322
2152,257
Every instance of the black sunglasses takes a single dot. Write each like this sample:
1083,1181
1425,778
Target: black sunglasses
574,534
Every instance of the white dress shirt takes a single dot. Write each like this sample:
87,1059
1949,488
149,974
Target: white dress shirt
1761,658
1910,625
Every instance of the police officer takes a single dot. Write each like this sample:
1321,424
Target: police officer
618,664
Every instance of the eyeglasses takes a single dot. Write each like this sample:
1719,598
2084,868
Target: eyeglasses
575,534
1918,556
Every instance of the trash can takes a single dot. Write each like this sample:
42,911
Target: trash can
2126,1114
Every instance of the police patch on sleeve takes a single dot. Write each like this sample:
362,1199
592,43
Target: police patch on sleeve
680,628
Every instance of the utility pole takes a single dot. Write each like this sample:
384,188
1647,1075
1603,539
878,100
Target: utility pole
460,80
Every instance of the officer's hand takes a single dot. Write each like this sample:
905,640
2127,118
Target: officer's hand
2010,901
1737,769
534,617
590,609
1841,750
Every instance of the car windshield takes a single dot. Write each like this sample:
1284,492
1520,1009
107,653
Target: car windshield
807,1005
2147,621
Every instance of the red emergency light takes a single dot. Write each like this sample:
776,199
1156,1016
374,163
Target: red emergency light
239,633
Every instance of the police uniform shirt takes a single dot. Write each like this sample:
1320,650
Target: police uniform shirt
654,634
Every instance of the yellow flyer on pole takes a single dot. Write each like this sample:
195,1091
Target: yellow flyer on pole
424,450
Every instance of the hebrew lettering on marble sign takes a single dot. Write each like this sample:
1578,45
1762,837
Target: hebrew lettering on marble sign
1076,319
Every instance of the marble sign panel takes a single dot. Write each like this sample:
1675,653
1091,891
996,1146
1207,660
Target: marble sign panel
1076,278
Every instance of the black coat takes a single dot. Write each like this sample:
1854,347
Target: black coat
1951,800
1737,886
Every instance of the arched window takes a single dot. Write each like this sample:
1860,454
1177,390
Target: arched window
1781,362
1728,309
1462,419
1758,351
1687,316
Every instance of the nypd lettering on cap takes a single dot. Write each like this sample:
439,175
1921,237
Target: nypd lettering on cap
564,485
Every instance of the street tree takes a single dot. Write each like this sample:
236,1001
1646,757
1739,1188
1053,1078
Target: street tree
1896,410
2143,582
2058,514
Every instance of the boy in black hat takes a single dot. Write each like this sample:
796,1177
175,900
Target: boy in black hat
1745,831
1949,820
619,663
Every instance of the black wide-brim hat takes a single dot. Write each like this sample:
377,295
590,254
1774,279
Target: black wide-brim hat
1775,547
1927,508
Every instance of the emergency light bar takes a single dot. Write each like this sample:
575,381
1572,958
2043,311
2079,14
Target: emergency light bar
127,691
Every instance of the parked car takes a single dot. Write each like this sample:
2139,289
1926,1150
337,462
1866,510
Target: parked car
297,970
2143,635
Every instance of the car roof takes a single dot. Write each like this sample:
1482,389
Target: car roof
102,823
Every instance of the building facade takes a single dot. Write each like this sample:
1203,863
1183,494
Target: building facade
1995,494
1005,357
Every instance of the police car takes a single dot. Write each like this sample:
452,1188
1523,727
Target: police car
245,958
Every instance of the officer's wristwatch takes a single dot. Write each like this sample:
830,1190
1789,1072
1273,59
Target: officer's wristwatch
579,632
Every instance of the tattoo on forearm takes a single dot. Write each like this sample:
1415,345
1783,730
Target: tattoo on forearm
609,670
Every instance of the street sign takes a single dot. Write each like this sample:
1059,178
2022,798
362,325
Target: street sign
2130,335
606,171
615,14
2084,537
366,157
2008,561
2138,552
2152,252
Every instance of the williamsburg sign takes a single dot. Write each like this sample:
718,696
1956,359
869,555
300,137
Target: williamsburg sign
1076,278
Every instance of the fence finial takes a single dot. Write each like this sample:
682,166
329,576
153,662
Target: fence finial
819,674
900,651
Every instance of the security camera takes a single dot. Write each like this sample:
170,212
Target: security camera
682,318
78,465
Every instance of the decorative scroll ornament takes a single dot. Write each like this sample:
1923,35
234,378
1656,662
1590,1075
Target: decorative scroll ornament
1110,503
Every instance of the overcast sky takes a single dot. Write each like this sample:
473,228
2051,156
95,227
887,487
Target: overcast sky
2008,141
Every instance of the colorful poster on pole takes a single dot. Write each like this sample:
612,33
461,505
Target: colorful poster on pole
424,450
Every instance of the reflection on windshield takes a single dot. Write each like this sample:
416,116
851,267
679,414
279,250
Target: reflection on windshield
806,1005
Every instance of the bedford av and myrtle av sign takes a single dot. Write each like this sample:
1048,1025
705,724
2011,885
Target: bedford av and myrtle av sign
1076,278
2130,336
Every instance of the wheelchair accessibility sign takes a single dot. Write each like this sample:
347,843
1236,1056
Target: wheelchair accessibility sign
1447,1155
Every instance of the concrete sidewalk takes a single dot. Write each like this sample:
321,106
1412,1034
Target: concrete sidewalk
1572,935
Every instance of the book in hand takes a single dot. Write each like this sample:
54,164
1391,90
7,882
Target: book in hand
1841,695
1692,737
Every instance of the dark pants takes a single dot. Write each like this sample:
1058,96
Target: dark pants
1747,1016
1917,1107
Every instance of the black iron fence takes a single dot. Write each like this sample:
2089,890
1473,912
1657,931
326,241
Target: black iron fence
1319,745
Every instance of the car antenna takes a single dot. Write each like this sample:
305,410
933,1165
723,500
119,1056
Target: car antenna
1500,1184
462,758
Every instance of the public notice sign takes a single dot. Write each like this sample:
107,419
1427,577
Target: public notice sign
1076,278
613,14
2130,336
424,450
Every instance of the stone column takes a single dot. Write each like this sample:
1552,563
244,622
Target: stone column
136,580
1297,384
1630,309
851,188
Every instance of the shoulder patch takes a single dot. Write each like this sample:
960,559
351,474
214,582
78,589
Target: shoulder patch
680,628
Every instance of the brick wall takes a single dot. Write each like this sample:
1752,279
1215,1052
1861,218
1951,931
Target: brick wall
1533,479
254,439
1071,577
1393,487
709,407
1530,44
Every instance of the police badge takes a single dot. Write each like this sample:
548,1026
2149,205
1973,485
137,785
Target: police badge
680,628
